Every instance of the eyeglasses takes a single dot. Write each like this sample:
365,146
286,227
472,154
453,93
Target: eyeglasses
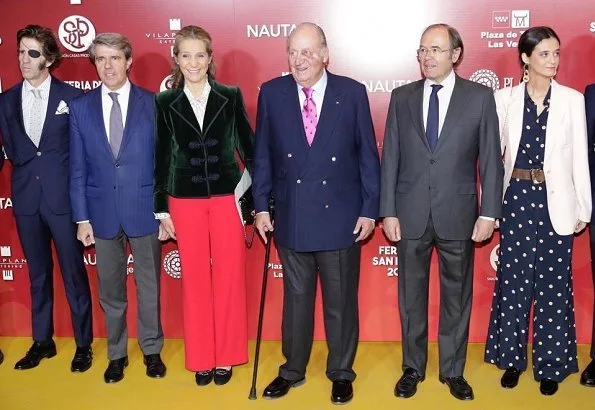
432,51
32,53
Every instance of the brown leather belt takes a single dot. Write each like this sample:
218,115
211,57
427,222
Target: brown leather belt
534,175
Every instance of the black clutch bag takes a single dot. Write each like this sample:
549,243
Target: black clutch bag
244,199
246,206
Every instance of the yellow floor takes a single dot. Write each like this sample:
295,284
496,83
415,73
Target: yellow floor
51,385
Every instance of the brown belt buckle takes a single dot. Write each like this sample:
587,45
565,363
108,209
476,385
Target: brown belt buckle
535,176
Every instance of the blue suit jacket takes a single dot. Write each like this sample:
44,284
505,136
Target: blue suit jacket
113,193
37,171
319,190
590,109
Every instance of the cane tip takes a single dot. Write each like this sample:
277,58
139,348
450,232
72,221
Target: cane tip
252,395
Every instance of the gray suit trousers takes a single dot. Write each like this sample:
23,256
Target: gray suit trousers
339,277
456,290
112,272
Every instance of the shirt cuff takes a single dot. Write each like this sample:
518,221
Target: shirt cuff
162,215
82,222
487,218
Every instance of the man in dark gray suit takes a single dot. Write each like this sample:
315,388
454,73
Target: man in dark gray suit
437,130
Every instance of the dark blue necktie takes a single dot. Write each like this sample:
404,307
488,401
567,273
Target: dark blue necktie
433,118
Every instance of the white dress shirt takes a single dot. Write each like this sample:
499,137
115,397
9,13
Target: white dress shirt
444,95
27,98
107,102
318,90
199,105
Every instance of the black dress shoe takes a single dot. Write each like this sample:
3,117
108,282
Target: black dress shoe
407,385
548,387
510,378
459,387
204,377
342,392
222,376
36,352
155,366
82,360
588,376
280,386
115,370
1,357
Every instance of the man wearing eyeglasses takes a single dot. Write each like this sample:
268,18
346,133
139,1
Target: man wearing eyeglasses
34,125
437,130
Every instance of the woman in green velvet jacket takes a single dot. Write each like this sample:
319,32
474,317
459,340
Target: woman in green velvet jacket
200,126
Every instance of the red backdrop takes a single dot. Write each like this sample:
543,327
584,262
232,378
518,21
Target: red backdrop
373,42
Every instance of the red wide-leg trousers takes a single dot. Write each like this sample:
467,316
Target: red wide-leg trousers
213,260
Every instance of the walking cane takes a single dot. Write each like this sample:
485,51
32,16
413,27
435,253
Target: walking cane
263,291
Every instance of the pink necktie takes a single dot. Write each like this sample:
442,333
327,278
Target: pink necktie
309,115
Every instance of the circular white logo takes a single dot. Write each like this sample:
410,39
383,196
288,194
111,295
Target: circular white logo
76,33
166,84
494,257
487,78
172,265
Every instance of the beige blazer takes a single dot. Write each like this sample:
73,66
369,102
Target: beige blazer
565,163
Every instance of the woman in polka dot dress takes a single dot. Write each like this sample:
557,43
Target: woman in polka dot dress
547,199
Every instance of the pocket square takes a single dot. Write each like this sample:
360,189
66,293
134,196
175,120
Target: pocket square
62,108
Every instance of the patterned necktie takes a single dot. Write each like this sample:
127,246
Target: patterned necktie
116,127
309,115
35,119
433,118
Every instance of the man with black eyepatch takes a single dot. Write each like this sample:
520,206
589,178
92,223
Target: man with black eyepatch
34,124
